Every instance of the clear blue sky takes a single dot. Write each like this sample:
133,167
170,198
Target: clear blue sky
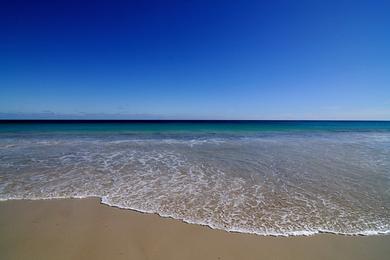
195,59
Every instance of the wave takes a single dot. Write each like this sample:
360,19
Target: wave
277,185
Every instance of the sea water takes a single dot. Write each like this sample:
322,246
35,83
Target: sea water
264,177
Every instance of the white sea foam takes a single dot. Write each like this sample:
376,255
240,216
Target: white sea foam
308,232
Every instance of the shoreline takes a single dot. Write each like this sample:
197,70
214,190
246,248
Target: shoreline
88,229
306,233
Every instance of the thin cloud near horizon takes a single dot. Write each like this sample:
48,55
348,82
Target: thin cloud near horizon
124,116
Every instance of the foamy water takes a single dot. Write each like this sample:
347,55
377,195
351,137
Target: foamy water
268,184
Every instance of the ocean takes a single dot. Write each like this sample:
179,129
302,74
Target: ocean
276,178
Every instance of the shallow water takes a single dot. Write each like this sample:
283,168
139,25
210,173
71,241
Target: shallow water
281,179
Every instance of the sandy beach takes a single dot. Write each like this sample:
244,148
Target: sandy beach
87,229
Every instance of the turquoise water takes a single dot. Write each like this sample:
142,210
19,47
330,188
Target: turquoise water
263,177
249,127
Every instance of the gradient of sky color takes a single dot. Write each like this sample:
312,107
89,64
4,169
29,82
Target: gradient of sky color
195,59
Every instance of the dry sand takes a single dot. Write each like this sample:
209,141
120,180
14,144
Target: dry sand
86,229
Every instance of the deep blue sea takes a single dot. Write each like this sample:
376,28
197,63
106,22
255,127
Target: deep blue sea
263,177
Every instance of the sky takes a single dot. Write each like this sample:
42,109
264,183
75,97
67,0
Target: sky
195,59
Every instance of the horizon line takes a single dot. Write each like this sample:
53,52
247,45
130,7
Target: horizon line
184,120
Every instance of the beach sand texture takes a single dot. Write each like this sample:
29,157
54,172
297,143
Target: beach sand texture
86,229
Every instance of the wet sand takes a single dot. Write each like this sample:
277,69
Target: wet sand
86,229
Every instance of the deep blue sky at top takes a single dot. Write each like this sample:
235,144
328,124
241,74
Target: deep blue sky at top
195,59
